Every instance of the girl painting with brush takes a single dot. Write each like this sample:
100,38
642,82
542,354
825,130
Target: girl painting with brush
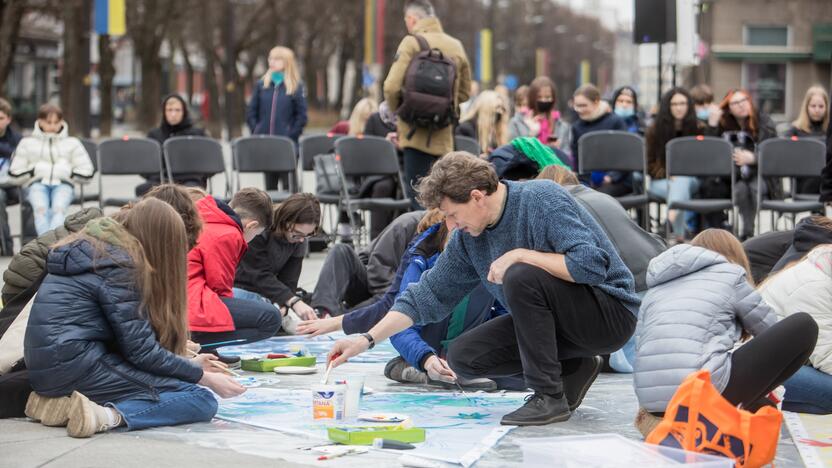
106,341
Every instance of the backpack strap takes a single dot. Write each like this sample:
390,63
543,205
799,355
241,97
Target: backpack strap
423,44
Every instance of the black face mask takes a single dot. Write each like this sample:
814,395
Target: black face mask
545,106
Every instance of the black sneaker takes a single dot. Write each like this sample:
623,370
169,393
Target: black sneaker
540,409
399,370
576,384
232,361
470,385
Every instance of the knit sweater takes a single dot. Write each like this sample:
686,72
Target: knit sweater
539,216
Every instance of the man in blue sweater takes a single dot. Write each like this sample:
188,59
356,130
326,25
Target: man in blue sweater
538,252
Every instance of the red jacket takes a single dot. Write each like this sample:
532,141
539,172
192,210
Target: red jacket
211,268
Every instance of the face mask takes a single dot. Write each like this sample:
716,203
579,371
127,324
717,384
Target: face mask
702,114
545,106
277,77
625,112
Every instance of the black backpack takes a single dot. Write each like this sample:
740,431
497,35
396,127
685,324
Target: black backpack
428,92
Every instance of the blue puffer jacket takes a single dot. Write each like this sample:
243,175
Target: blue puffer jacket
86,332
289,111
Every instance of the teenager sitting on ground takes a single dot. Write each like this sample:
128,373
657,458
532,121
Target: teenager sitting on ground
214,314
807,286
271,266
700,303
106,342
544,257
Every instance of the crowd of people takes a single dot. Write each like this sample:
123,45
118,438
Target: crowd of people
512,272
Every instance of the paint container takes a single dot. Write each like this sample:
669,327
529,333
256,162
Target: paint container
328,402
355,387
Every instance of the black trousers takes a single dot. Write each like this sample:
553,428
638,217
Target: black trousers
552,324
343,278
765,362
14,392
417,164
253,321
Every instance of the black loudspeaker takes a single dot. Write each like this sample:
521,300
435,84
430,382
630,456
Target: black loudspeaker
655,21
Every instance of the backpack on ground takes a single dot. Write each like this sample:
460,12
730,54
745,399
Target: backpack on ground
428,92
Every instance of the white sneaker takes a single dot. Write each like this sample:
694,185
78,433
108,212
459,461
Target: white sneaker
87,418
290,322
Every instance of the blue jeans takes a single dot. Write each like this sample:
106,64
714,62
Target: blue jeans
247,295
681,188
809,391
188,404
49,202
253,321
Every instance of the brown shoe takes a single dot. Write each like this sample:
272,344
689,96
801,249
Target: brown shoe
87,418
48,411
645,422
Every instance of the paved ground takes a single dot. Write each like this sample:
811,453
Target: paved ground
609,407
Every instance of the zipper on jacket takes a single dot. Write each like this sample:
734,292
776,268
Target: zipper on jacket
274,109
154,394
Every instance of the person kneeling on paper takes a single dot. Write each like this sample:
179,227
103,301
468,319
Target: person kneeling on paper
543,256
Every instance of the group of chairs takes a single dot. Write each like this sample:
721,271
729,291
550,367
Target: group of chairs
705,156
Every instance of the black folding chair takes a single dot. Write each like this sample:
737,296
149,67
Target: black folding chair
311,147
701,156
364,156
126,156
609,150
789,158
200,156
92,149
464,143
266,153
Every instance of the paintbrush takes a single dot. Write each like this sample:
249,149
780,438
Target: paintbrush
456,382
215,364
325,378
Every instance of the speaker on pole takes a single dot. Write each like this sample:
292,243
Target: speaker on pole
655,21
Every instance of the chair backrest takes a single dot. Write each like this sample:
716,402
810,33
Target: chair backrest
313,145
129,156
699,156
366,156
193,155
263,153
92,149
464,143
611,150
782,157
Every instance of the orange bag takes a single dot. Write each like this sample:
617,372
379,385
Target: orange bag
700,419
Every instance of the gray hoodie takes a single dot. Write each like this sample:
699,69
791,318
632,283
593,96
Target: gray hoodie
691,318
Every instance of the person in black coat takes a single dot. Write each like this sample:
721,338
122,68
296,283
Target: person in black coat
176,122
106,343
271,266
9,138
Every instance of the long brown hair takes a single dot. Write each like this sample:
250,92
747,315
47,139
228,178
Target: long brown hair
804,122
179,198
299,208
725,244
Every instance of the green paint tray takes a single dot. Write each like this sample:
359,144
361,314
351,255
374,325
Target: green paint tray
268,365
364,435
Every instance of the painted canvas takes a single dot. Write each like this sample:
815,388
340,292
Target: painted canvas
812,435
459,430
318,346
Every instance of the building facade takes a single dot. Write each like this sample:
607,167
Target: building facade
775,49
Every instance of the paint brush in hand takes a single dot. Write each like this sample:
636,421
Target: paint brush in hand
325,378
217,365
456,382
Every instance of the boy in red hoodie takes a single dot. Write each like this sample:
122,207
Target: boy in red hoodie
214,315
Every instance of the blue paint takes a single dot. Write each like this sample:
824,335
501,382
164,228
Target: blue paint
474,415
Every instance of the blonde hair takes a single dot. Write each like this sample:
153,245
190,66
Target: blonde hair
291,76
725,244
803,121
360,113
559,174
484,112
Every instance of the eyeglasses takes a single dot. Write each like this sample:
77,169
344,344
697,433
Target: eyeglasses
297,235
738,102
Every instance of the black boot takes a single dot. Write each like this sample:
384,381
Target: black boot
577,383
540,409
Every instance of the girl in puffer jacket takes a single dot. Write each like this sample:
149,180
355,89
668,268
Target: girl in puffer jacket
106,344
807,286
48,162
699,304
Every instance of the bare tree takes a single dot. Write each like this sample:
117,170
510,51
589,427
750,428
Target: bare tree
11,14
106,72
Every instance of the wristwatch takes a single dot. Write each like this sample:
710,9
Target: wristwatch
370,339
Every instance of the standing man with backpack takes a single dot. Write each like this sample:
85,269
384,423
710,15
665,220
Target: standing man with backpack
429,77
